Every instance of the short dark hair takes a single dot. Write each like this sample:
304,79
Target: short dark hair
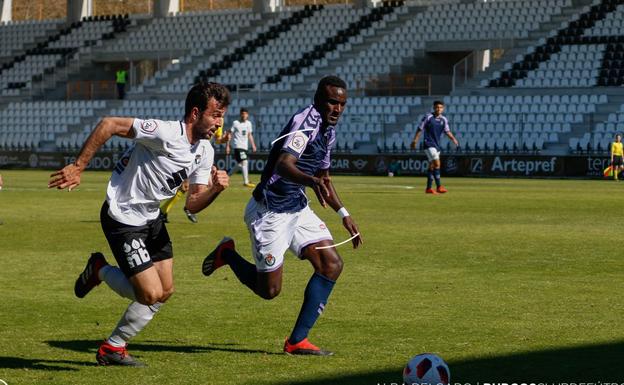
199,95
329,80
243,109
438,102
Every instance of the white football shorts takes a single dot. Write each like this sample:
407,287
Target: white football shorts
432,154
273,233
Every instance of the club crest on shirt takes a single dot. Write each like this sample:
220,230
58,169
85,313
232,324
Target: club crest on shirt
298,141
149,126
197,159
269,260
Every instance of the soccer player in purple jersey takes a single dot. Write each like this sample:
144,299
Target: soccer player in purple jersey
279,218
433,125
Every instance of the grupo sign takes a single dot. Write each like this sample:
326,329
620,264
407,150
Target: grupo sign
525,166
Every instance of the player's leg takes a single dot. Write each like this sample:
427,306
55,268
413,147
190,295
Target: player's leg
266,284
238,160
138,315
429,152
245,169
98,269
145,258
436,175
148,291
270,235
312,232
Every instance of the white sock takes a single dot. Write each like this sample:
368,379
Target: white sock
245,171
136,317
116,280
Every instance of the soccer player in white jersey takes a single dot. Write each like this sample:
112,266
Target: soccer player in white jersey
164,154
241,135
279,218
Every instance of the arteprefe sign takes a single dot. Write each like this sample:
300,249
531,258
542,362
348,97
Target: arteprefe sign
526,166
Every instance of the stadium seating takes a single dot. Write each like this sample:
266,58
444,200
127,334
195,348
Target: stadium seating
506,123
174,32
43,59
573,66
279,57
364,118
393,49
15,35
145,109
23,125
603,133
593,40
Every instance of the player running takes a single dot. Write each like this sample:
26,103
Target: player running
163,155
433,125
279,217
617,156
241,136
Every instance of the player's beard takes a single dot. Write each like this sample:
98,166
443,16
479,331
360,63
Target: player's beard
203,131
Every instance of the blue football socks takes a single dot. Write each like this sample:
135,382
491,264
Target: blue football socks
316,294
429,179
244,270
436,174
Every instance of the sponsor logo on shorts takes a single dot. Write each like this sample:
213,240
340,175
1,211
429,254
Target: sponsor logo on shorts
136,253
322,226
149,126
269,260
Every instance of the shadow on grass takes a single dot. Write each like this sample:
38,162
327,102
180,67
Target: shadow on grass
35,364
588,363
92,345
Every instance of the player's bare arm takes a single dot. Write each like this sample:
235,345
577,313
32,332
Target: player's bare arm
286,167
335,203
415,141
452,138
201,196
251,140
69,176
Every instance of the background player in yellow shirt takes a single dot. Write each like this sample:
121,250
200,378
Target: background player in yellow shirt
617,156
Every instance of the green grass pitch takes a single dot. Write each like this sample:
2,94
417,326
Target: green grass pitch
507,280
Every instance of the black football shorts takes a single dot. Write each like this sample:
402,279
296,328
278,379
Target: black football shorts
136,248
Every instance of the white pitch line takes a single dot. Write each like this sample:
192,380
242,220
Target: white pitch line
389,186
291,133
337,244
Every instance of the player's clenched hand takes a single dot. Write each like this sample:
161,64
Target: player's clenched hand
352,228
220,179
413,145
320,188
66,178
